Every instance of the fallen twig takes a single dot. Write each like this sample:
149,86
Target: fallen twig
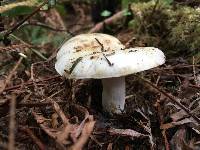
194,86
35,139
25,19
46,26
39,104
8,79
11,137
167,147
147,128
33,49
103,50
15,47
109,20
171,98
178,67
31,82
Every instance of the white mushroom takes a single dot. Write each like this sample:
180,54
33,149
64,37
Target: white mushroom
102,56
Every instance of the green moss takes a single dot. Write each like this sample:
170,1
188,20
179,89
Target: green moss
185,30
173,30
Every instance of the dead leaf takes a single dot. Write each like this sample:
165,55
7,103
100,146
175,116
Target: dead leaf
86,132
177,123
180,142
60,113
177,140
79,111
79,129
126,132
54,120
109,147
178,115
186,92
67,133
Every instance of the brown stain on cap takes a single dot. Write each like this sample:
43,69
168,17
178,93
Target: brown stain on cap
87,45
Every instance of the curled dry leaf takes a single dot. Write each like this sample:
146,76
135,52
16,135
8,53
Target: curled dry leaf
178,139
54,120
177,123
178,115
86,132
126,132
77,132
60,135
79,111
68,133
60,113
109,147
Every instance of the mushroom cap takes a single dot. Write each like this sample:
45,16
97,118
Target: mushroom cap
86,44
82,57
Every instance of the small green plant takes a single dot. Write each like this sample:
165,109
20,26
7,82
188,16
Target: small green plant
18,8
13,9
105,13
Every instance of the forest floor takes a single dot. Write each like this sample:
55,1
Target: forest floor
39,109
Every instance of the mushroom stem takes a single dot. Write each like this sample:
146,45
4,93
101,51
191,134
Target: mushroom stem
113,96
